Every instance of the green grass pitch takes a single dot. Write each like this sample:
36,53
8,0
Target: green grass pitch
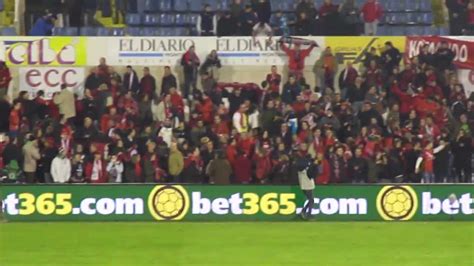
296,243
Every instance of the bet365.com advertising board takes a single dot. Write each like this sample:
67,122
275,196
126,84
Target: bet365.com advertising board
235,203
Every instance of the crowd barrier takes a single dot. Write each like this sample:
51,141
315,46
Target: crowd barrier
152,202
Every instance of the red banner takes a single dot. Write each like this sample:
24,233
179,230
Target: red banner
463,48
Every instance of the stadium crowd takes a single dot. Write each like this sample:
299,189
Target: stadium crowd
389,122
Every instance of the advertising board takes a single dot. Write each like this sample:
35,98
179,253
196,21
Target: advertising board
49,80
161,51
235,203
43,51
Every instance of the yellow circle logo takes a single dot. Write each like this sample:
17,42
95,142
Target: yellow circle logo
397,203
168,203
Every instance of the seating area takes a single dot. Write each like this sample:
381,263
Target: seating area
178,17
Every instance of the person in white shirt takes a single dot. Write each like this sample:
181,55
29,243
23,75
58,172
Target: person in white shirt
262,29
61,168
115,169
240,119
166,132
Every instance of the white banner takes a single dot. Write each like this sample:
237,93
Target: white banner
49,80
466,77
159,51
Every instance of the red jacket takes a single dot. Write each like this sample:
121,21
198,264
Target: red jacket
231,152
177,102
221,129
374,76
5,77
406,77
318,145
295,62
128,105
428,158
205,109
263,166
424,108
433,91
406,100
247,146
104,122
242,169
274,82
324,175
430,131
372,11
148,85
102,175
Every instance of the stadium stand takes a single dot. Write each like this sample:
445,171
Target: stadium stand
367,124
382,121
179,16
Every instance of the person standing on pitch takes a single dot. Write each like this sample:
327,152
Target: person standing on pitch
307,170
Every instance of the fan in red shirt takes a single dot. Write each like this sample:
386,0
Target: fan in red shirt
242,167
128,105
231,151
263,164
15,118
406,100
96,170
424,163
296,58
247,144
373,75
372,12
432,89
220,128
407,76
177,103
109,120
428,129
274,80
325,171
205,108
147,83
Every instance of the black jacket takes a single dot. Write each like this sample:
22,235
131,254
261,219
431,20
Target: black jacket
391,58
303,27
462,151
135,84
264,11
167,83
444,58
227,26
94,81
4,116
356,95
12,152
365,117
210,62
359,169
